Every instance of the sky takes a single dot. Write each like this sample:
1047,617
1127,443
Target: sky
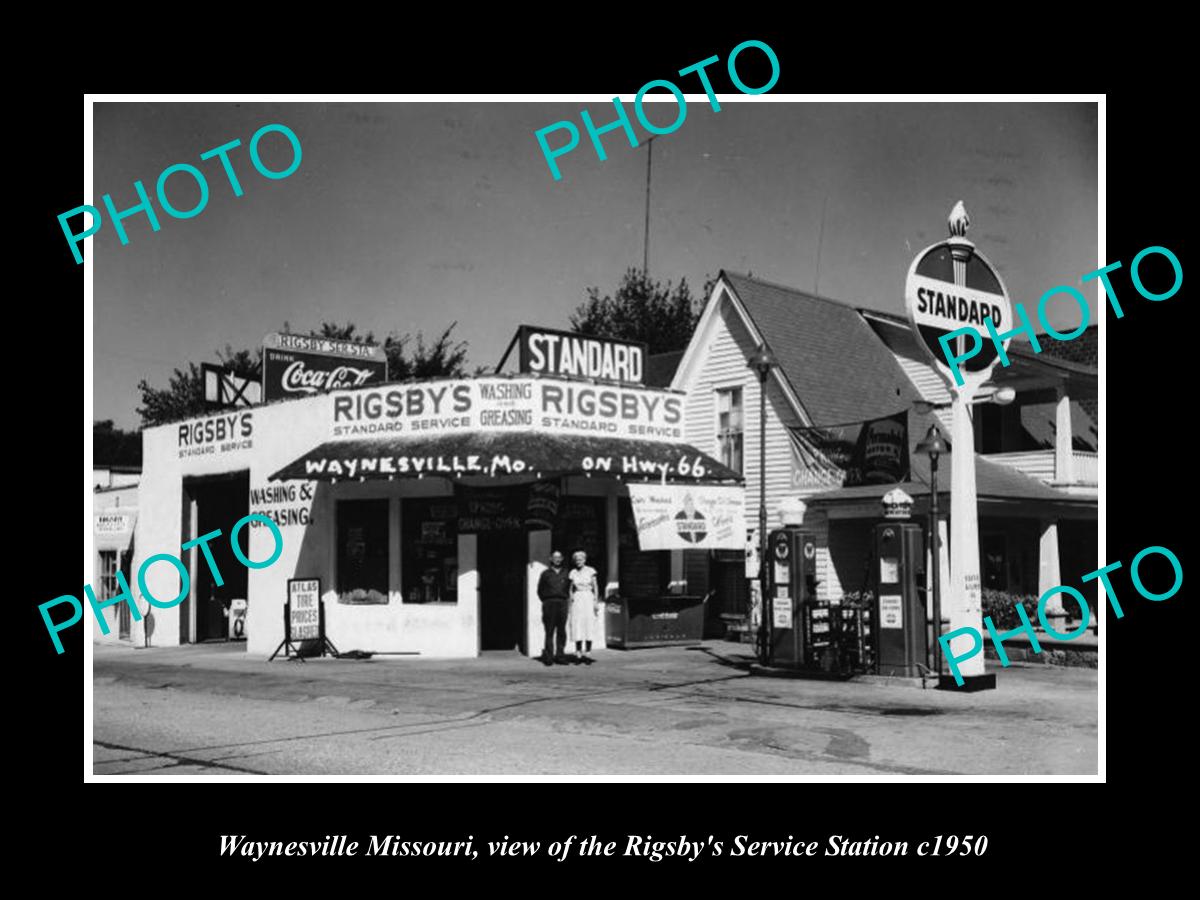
405,217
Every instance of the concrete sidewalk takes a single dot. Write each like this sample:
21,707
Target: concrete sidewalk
655,712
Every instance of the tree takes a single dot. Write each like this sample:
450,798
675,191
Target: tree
184,395
115,447
443,358
642,309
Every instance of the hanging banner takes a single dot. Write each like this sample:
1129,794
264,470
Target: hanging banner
871,452
688,517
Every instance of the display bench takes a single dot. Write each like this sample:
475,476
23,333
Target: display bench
670,619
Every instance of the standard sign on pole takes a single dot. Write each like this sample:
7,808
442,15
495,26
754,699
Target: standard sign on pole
951,286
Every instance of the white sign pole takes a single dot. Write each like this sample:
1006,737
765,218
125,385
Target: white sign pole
966,599
937,307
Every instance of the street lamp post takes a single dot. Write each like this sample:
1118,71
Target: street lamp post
933,446
762,362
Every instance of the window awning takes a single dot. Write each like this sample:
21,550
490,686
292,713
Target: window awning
112,528
499,454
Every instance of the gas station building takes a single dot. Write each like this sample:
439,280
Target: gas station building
1036,458
427,510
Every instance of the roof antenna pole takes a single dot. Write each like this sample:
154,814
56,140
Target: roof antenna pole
649,144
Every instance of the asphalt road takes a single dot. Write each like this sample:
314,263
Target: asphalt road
211,710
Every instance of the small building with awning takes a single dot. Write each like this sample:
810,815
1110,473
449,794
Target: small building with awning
427,510
114,514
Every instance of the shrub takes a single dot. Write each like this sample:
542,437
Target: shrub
863,599
1002,607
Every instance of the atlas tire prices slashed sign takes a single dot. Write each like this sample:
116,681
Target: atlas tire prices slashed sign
304,609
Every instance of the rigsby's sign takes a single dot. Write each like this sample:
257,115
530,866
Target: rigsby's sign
298,366
509,404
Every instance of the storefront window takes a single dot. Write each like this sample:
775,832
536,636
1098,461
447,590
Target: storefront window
995,557
362,551
729,427
108,574
645,574
581,527
429,536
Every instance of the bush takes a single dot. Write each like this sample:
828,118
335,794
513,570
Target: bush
864,599
1002,607
358,596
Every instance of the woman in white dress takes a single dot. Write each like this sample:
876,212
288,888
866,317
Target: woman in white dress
585,604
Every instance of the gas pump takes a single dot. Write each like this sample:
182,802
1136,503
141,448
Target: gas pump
796,624
900,626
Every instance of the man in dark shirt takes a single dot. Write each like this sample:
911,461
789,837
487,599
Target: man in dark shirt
554,589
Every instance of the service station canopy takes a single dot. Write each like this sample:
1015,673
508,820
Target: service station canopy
496,426
497,454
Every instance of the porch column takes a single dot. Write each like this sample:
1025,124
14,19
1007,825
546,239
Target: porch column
539,553
677,584
468,586
944,560
1049,572
612,578
1063,456
943,564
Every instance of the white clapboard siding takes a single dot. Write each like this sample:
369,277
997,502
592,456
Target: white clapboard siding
929,385
723,366
1034,463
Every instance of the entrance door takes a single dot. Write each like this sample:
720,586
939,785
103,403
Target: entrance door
123,617
220,502
502,589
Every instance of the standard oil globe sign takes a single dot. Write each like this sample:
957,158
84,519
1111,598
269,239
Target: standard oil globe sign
950,286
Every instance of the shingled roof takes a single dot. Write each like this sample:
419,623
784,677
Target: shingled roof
832,358
993,480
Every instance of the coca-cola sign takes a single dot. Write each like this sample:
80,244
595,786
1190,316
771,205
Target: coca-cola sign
298,366
300,378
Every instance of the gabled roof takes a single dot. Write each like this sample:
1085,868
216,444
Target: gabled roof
833,360
1024,362
660,368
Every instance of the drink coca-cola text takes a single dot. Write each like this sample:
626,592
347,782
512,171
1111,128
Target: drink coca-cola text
298,379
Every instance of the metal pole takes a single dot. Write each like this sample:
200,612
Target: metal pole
765,626
646,233
935,538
